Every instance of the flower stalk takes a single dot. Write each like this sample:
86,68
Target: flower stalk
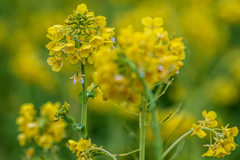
84,98
143,127
176,142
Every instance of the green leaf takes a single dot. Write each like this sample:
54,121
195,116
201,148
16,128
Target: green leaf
80,128
89,94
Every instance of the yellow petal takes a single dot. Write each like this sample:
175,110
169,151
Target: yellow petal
158,30
73,59
212,123
82,8
90,59
147,21
234,131
204,113
157,21
211,115
209,153
51,60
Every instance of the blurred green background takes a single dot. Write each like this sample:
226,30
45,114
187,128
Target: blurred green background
209,79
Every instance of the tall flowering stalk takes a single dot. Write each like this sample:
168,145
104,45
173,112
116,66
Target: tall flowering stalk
78,40
140,60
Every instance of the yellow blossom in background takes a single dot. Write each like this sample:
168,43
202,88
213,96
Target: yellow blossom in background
41,129
30,152
228,10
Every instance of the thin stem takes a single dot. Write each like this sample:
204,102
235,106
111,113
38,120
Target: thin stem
79,66
125,154
105,151
143,128
163,92
93,87
210,138
129,110
176,142
154,123
84,98
211,130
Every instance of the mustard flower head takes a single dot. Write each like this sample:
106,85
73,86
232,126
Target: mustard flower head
41,129
156,56
224,141
78,38
82,147
209,119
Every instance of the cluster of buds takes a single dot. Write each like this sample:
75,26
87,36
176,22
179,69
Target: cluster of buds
224,140
79,38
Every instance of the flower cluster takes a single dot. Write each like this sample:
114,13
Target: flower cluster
41,129
79,38
224,140
84,148
156,57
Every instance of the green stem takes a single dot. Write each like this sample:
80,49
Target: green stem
176,142
154,123
106,152
211,130
143,128
125,154
84,98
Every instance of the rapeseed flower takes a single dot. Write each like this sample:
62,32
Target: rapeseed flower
78,38
156,56
209,119
41,129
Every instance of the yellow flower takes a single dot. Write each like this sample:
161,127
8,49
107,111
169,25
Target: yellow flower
101,21
154,24
56,63
73,58
198,131
69,47
85,50
31,129
22,137
27,111
229,133
77,78
220,151
49,109
30,152
209,119
157,21
83,145
45,141
96,41
72,145
82,8
210,152
107,33
147,21
90,59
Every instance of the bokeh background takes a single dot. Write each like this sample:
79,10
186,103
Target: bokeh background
209,79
